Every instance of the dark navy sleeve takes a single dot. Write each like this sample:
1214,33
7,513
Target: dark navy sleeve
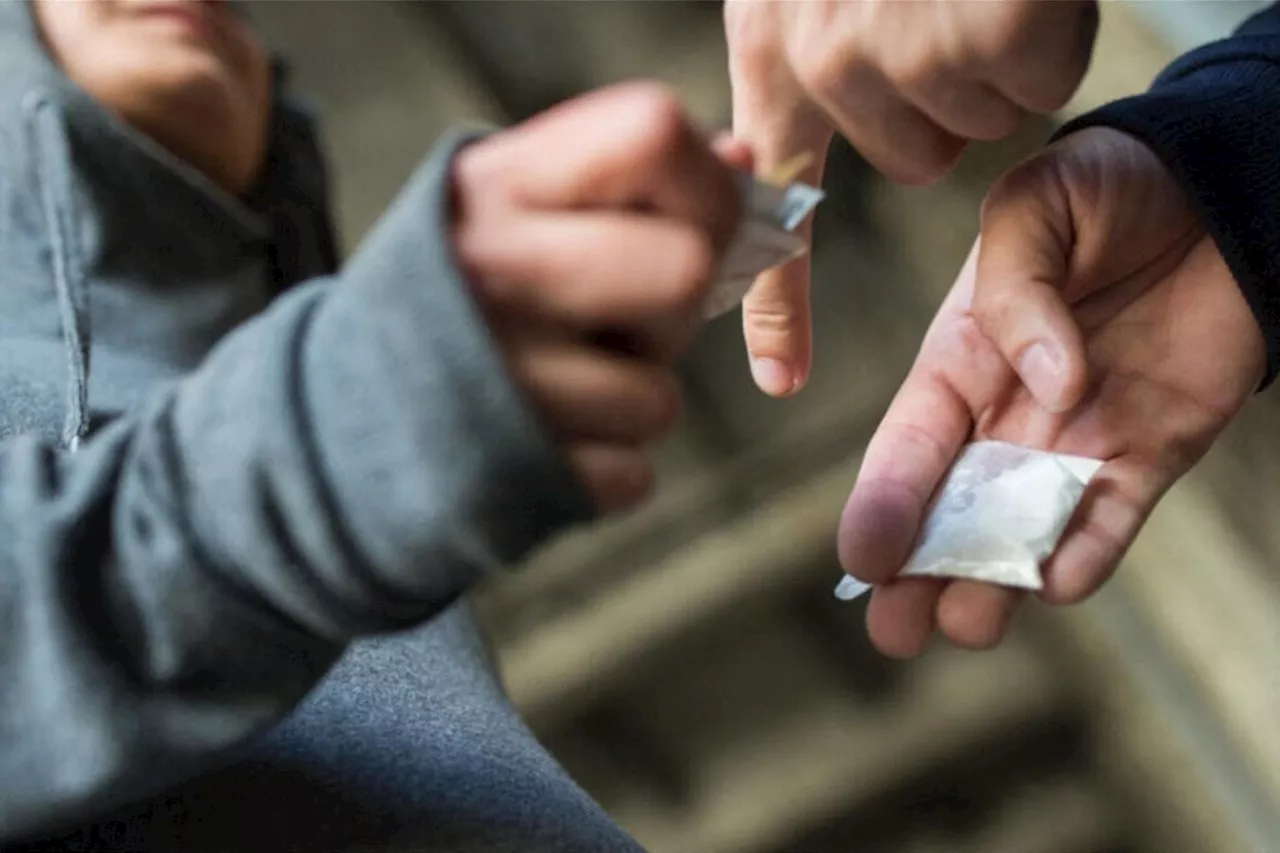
1213,118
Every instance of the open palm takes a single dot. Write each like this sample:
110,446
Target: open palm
1131,342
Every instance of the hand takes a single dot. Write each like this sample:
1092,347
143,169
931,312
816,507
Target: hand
908,83
591,235
1095,316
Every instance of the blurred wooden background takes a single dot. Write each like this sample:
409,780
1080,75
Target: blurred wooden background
689,664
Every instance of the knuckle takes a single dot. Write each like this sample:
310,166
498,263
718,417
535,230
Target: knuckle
1024,181
664,126
1004,319
481,175
1047,44
1011,25
474,165
992,309
482,218
749,31
822,73
1015,24
912,70
774,317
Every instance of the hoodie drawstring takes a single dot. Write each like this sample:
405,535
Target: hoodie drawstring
53,155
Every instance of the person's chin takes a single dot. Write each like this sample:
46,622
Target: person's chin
198,109
198,88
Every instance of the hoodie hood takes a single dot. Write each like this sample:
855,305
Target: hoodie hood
119,255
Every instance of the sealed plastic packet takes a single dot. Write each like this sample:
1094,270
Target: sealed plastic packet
765,239
997,516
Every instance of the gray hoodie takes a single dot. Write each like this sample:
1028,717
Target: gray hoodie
215,474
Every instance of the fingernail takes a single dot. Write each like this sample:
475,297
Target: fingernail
1041,371
772,376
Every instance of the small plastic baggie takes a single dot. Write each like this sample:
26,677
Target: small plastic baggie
765,239
997,516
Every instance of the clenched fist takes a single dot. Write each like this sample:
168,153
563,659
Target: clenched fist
908,82
591,235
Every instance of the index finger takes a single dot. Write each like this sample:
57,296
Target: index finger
772,114
776,313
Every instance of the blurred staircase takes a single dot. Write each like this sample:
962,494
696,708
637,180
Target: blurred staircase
689,664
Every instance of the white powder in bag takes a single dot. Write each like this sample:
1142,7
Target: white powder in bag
997,516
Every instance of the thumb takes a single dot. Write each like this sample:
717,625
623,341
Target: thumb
772,115
1024,257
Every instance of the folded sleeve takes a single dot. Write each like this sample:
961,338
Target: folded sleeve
347,463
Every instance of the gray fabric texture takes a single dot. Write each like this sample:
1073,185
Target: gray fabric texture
222,461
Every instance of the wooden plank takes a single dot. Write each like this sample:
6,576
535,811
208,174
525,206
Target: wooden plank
833,757
1212,612
555,671
1064,815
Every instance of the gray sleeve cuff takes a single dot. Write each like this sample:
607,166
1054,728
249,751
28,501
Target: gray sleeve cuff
439,467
